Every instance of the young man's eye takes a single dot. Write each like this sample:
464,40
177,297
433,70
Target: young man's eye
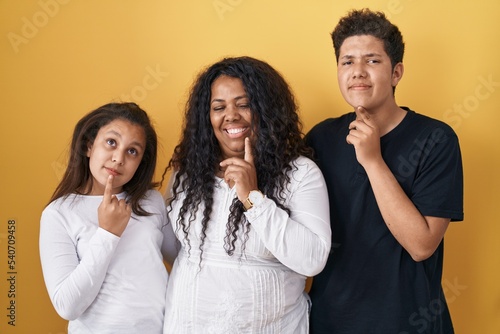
373,61
347,62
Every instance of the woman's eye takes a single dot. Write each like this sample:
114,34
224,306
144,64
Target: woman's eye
218,108
244,106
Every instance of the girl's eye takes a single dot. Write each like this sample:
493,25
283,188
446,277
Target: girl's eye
133,151
111,142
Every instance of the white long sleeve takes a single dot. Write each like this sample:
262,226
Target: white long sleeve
72,283
100,282
302,240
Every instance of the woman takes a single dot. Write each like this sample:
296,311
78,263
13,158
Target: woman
249,208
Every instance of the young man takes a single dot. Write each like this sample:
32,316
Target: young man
395,182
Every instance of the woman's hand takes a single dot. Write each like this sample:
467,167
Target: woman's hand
242,172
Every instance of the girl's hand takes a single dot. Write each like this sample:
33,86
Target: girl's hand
113,214
242,172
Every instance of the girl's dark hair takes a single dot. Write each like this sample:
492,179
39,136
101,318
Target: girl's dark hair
367,22
77,177
196,158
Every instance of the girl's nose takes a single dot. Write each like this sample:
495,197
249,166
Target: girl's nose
117,157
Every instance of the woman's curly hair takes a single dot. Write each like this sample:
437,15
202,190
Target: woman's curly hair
278,142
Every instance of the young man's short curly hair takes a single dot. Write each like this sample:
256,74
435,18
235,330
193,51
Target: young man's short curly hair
367,22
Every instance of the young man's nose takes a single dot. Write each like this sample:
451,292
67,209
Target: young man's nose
359,70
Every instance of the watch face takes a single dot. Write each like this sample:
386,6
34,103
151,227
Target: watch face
255,197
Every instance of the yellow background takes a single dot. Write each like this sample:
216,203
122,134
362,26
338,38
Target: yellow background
63,58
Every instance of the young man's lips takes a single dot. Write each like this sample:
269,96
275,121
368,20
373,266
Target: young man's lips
360,86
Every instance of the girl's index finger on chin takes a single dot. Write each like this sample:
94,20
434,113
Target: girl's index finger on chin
108,189
248,151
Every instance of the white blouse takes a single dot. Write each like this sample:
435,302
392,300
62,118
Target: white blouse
259,289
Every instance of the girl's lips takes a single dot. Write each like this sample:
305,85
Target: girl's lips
112,171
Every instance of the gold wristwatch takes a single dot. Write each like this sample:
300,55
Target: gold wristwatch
255,197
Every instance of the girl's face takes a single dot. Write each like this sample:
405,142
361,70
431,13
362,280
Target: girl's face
117,150
230,116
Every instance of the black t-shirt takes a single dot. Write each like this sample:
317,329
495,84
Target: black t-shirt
370,283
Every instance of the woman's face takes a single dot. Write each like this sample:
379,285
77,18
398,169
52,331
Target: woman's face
230,116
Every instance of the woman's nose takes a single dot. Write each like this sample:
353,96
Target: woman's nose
232,113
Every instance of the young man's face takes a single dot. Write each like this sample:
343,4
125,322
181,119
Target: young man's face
365,73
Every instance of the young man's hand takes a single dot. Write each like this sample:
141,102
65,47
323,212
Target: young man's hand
365,136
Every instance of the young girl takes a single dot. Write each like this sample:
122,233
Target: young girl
101,235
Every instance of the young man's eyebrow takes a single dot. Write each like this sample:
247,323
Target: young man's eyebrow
370,54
